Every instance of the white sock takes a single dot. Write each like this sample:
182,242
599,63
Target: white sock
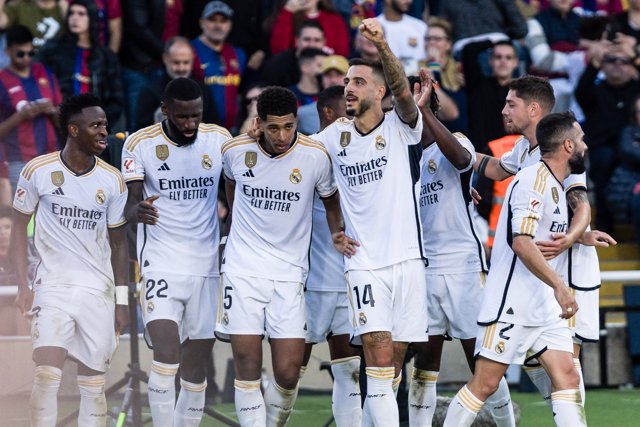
93,403
583,394
190,405
380,407
395,385
162,393
279,403
345,401
422,397
463,409
567,408
541,380
43,404
249,403
500,406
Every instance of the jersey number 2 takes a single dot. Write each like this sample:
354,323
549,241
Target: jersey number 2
150,286
367,296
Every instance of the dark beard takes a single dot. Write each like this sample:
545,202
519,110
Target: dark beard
576,164
177,136
396,8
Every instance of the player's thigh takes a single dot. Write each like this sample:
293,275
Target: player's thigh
287,355
554,350
242,301
410,320
370,300
200,312
162,298
320,309
285,313
247,356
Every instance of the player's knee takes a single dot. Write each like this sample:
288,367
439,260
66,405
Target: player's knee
248,367
483,387
288,378
570,379
166,354
380,359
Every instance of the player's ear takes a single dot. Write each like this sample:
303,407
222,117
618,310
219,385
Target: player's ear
72,130
534,108
163,108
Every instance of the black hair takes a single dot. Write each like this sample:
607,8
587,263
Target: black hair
309,53
434,101
18,34
553,130
276,101
329,97
73,106
505,43
534,89
309,24
94,21
181,89
376,66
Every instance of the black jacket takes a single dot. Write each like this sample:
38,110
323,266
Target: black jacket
142,26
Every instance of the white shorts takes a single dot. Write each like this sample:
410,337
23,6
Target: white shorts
585,325
77,320
190,301
516,344
454,302
327,315
392,299
252,305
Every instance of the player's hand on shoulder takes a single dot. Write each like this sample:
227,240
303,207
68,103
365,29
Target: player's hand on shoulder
344,244
372,30
553,248
122,318
146,212
597,238
254,130
24,299
567,301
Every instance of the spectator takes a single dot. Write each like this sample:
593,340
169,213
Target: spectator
364,48
110,14
147,25
404,33
295,12
474,20
627,22
222,63
446,71
605,103
308,87
333,71
623,189
178,60
29,95
83,65
249,103
44,18
283,69
486,94
553,40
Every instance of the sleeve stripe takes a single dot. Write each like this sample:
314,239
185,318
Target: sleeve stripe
316,146
505,168
115,172
29,173
235,142
541,179
23,212
150,132
119,224
577,185
206,127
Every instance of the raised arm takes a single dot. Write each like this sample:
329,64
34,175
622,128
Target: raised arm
394,73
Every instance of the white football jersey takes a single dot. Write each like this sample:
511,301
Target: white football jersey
72,215
326,267
451,243
185,239
584,266
406,39
378,175
271,227
536,206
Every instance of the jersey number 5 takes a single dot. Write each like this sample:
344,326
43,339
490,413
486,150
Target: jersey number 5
227,297
151,285
367,296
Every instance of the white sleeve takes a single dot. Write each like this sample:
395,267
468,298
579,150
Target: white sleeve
526,206
27,196
510,161
467,145
326,184
412,135
574,181
226,165
115,209
132,163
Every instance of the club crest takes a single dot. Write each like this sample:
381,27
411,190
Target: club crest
207,163
432,167
295,176
380,142
100,197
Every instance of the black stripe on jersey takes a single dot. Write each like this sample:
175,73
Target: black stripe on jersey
144,243
513,261
465,185
415,154
570,275
583,339
529,361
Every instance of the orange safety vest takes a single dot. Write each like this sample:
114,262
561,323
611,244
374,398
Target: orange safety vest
498,147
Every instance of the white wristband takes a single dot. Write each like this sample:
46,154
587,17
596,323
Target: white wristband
223,240
122,295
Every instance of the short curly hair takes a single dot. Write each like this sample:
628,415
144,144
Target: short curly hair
73,106
276,101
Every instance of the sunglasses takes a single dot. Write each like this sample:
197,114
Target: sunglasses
621,61
23,53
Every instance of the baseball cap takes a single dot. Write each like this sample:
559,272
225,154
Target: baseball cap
214,7
335,62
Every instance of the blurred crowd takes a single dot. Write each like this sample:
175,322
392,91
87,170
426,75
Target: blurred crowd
126,51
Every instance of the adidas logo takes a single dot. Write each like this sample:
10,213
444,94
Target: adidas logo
510,310
557,211
58,192
249,174
343,153
164,167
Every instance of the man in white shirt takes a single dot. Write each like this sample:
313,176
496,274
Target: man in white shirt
404,33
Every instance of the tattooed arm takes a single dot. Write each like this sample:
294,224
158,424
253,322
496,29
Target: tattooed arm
394,73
